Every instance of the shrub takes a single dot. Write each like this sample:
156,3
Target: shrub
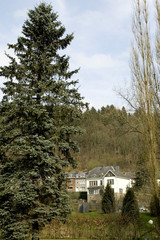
130,210
108,200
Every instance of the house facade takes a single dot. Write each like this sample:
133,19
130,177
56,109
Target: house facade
71,182
76,182
95,181
80,182
98,178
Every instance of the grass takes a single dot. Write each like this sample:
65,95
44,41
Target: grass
96,225
91,215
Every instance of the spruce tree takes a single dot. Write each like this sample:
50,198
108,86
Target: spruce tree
39,109
130,210
108,200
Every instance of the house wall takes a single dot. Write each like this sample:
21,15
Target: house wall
80,185
119,184
93,186
98,180
71,185
94,198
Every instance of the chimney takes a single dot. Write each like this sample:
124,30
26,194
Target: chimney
117,168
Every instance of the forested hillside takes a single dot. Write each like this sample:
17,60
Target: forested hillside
111,137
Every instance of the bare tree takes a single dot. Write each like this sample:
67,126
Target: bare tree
145,89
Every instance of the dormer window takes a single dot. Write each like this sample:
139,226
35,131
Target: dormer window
93,176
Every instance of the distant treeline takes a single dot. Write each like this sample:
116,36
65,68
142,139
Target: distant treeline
111,137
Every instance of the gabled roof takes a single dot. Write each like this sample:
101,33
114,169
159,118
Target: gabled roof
98,172
101,172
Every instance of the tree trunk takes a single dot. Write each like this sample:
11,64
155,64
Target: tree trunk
35,231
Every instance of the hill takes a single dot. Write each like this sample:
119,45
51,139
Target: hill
110,137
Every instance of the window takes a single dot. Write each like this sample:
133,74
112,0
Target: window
110,181
93,191
70,188
101,182
70,181
82,182
120,190
96,191
92,183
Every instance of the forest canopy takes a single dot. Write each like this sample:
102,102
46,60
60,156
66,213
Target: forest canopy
111,137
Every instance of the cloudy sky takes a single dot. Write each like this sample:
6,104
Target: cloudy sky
101,45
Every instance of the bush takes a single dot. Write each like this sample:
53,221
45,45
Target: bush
108,200
130,210
78,195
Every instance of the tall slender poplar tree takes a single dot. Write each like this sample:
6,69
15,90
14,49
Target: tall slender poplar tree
38,111
145,84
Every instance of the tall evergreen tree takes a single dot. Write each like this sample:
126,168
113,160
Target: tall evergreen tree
130,210
144,97
39,108
108,200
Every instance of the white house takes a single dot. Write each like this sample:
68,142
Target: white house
98,178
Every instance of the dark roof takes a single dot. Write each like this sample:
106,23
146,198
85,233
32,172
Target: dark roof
131,175
100,172
76,174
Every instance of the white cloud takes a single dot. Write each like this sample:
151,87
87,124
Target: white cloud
112,18
3,57
4,60
97,61
20,13
61,7
16,30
